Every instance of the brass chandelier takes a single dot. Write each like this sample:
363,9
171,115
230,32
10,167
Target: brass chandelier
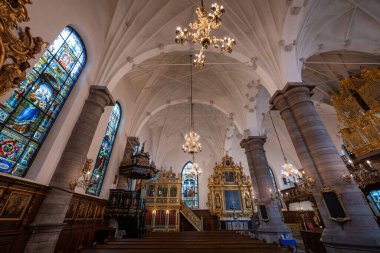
207,21
192,144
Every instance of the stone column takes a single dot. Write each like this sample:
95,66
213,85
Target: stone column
361,234
50,217
271,230
280,103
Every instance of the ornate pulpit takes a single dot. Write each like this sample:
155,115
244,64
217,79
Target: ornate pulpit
230,195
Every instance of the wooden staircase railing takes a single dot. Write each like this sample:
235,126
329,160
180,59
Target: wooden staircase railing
191,217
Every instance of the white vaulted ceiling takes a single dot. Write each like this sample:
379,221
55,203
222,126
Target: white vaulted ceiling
131,50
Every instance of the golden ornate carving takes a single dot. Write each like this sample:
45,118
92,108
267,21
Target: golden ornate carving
15,51
229,176
358,110
164,193
85,174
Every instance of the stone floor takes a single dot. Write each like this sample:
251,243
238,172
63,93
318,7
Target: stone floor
186,242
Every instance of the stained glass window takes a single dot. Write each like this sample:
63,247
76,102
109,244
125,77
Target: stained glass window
105,151
189,187
375,194
28,114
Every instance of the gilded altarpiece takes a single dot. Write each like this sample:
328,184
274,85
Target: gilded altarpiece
163,202
230,195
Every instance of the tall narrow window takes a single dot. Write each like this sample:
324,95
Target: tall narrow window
29,113
189,187
105,151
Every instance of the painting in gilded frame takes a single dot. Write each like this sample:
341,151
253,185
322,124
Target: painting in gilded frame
232,200
82,211
15,206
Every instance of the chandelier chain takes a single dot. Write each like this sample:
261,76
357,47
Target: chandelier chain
279,142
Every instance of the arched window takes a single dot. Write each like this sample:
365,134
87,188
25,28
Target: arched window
105,151
189,187
29,113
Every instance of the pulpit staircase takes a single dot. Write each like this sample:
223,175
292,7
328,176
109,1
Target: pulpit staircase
191,217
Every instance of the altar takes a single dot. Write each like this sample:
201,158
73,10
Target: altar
230,196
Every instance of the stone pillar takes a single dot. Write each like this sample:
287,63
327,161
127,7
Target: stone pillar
50,217
361,234
271,230
280,103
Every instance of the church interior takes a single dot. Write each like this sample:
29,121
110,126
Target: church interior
189,126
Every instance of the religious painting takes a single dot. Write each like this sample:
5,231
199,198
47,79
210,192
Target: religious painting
229,176
91,212
29,113
173,191
105,151
82,211
100,212
232,200
71,210
16,205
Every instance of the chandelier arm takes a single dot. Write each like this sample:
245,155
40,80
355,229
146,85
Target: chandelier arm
275,130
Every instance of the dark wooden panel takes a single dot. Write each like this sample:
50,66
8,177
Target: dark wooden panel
19,203
84,217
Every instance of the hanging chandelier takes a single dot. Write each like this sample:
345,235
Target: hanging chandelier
194,169
192,144
203,27
289,174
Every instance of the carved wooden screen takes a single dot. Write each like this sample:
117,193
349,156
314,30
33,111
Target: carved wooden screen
29,113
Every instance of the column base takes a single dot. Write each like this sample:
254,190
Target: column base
43,238
271,234
349,241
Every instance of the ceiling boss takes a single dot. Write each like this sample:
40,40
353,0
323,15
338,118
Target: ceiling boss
202,32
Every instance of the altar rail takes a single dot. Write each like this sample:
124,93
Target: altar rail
191,217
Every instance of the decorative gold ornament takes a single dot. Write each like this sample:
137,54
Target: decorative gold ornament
358,110
85,175
207,22
15,51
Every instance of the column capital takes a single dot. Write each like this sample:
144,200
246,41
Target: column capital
104,92
290,87
253,140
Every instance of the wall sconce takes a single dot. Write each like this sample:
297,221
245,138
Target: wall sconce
347,178
85,174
